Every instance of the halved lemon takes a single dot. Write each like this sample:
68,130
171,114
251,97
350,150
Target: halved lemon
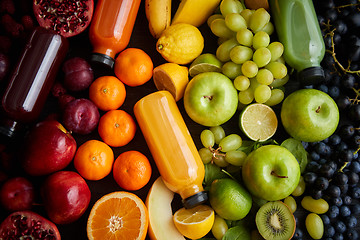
194,223
171,77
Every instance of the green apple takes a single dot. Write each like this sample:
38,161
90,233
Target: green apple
271,172
309,115
210,99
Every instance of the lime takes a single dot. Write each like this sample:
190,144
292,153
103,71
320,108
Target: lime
206,62
229,199
194,222
237,232
258,122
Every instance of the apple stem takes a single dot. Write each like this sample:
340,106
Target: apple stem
209,97
277,175
318,109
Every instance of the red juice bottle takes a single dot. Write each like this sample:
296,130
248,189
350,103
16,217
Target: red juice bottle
32,79
111,28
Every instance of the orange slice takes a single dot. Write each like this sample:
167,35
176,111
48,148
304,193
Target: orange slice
118,215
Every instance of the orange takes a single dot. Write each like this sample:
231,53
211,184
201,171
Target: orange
132,170
116,128
94,160
107,93
118,215
133,67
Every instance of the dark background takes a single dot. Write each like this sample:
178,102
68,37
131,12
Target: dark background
141,38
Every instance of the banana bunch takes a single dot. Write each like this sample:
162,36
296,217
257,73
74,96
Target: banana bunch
194,12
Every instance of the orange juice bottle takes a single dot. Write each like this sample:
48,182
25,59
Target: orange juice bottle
111,28
171,146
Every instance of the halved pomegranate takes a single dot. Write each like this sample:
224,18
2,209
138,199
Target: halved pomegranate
66,17
28,225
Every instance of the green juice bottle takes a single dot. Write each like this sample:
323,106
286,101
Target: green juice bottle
298,29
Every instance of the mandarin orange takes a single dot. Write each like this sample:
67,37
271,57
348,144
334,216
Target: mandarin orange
132,170
116,128
107,92
94,160
133,67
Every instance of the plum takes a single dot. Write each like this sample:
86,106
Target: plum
17,194
78,74
81,116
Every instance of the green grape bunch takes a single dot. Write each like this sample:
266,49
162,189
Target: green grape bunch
254,62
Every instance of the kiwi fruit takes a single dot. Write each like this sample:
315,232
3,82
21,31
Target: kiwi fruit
275,221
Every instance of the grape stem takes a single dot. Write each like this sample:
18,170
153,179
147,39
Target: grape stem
216,152
333,54
343,166
338,8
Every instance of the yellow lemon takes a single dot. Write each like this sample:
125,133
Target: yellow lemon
171,77
194,223
180,43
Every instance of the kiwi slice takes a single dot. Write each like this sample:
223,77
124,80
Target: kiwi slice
275,221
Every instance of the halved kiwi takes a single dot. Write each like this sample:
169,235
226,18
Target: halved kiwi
275,221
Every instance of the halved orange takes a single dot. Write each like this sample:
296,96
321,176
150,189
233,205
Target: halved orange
118,215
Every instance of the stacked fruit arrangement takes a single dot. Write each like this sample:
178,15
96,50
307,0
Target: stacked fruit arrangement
269,174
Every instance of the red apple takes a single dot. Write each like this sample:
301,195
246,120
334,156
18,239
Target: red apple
17,194
66,196
49,147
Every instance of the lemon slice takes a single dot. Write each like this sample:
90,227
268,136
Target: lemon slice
206,62
258,122
171,77
196,222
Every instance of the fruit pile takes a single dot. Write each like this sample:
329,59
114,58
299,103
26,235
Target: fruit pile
279,160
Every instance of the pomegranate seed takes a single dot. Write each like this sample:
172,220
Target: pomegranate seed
67,15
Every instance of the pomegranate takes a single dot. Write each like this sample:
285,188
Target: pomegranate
28,225
66,17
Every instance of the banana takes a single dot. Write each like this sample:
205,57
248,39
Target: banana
195,12
158,13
